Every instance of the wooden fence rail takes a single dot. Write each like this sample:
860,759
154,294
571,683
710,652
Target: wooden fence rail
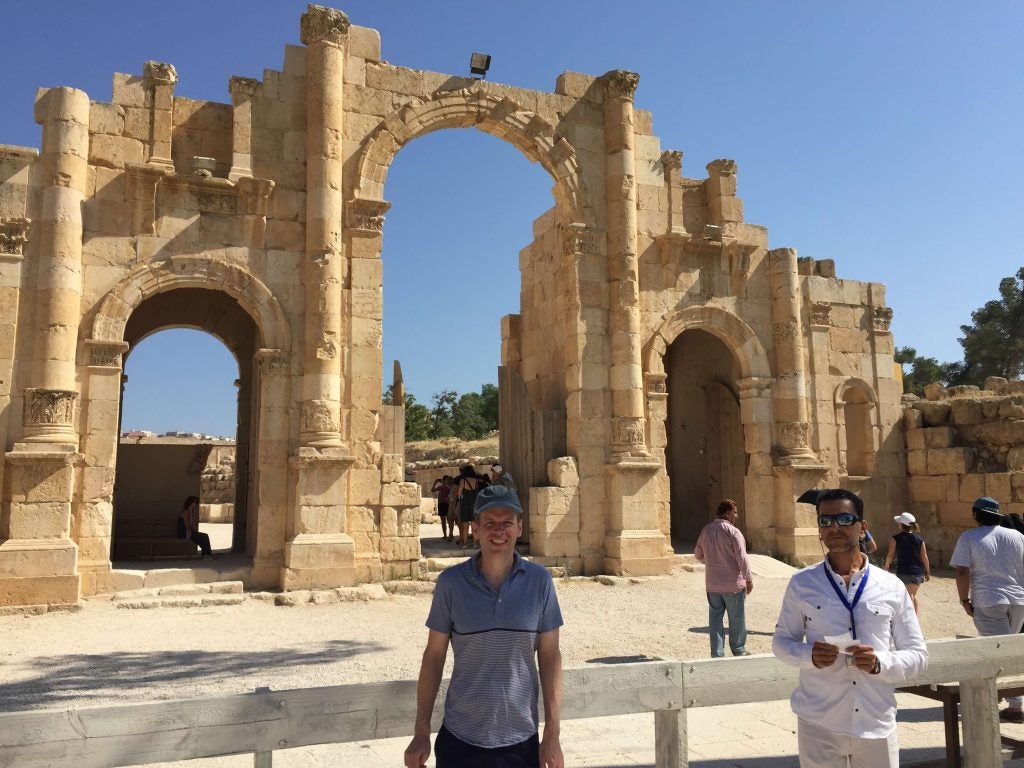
260,723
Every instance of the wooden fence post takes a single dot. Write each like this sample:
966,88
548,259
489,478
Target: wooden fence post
670,747
979,711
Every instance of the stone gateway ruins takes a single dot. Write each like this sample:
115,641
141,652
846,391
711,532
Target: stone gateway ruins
663,357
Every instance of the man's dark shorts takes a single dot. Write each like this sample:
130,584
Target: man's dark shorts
453,753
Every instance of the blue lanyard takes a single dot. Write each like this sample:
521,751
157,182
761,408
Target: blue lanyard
856,597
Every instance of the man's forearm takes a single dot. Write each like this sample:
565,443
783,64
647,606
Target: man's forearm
426,692
550,664
963,583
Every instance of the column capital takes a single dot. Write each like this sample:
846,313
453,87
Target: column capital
366,215
242,86
620,83
159,73
723,166
672,159
322,24
273,361
105,354
13,235
580,239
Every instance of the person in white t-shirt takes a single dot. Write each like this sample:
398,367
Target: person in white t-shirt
989,562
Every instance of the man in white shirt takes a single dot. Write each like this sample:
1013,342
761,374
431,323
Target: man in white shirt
989,562
852,631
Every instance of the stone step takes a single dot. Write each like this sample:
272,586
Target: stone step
182,591
438,564
687,562
172,601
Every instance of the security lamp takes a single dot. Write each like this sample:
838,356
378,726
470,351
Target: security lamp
479,63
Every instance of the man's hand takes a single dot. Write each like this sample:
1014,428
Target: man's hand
823,654
550,753
750,586
418,751
864,657
968,607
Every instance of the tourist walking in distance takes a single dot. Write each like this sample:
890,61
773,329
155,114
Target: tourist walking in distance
727,578
852,631
443,488
989,562
466,492
500,476
911,555
500,614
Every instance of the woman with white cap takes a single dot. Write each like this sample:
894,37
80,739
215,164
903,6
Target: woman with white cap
911,555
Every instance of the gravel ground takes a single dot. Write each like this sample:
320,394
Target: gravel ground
101,654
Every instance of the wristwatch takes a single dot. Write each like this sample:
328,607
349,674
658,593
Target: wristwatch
964,600
877,668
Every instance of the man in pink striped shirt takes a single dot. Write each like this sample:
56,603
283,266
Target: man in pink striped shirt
727,578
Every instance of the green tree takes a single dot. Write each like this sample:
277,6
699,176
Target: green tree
919,371
468,422
441,414
489,406
994,342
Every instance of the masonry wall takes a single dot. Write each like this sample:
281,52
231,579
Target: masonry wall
963,443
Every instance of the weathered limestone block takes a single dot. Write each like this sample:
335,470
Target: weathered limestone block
915,438
1012,408
388,522
563,472
955,513
972,487
400,548
1016,487
934,414
927,488
106,118
400,495
964,390
409,521
950,461
935,391
364,486
917,462
555,544
1001,433
997,485
939,437
965,411
1015,458
912,419
392,468
997,384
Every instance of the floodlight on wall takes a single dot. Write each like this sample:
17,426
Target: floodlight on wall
204,166
479,63
713,232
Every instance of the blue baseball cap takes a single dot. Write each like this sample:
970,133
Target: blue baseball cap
496,497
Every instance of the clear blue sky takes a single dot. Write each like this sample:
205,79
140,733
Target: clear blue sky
886,136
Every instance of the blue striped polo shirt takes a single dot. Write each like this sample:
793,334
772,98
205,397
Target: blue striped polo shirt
492,697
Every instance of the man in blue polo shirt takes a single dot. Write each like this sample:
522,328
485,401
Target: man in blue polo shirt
497,611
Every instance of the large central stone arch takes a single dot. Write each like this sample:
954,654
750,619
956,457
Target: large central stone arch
733,331
501,117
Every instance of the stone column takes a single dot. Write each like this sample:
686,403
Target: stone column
672,163
790,392
50,400
242,90
324,31
160,79
626,371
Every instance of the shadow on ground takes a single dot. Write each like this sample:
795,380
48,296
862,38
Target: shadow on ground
85,678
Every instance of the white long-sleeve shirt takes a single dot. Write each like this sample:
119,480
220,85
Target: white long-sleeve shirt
844,699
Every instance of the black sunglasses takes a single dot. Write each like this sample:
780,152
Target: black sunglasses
843,520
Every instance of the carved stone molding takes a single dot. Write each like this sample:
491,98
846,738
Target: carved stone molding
628,434
273,362
13,235
254,195
784,332
656,383
793,436
106,354
821,314
881,318
319,416
367,216
672,159
580,239
322,24
721,167
620,83
160,73
49,407
242,86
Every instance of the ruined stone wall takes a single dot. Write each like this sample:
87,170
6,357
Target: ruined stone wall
963,443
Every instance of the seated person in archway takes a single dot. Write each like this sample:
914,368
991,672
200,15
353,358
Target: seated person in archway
188,526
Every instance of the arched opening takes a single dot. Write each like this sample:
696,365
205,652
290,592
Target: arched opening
154,475
705,455
856,443
455,263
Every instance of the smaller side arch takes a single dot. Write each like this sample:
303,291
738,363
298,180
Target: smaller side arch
150,279
854,384
855,407
730,329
